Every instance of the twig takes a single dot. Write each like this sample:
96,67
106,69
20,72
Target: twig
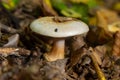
6,51
8,28
97,68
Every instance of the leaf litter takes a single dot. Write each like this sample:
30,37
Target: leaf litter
95,57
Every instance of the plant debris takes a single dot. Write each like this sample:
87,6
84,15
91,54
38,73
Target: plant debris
91,56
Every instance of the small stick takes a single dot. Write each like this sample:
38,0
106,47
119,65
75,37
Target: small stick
7,28
97,68
6,51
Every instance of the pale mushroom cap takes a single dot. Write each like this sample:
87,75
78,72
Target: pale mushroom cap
66,27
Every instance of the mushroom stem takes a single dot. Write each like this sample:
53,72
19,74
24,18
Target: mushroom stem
57,51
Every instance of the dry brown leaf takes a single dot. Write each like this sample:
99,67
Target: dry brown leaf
77,42
106,17
101,50
76,56
102,32
77,50
101,21
116,45
109,15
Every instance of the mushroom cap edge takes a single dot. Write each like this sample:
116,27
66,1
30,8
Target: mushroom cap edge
47,27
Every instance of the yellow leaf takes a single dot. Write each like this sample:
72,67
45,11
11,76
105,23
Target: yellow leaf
78,1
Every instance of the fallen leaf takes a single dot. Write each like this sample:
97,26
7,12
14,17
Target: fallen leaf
77,42
101,50
12,41
116,45
106,13
77,50
76,56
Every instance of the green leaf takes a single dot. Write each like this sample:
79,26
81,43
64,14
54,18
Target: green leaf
16,1
58,4
92,3
10,4
76,10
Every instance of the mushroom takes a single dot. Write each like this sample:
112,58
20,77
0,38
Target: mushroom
58,28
